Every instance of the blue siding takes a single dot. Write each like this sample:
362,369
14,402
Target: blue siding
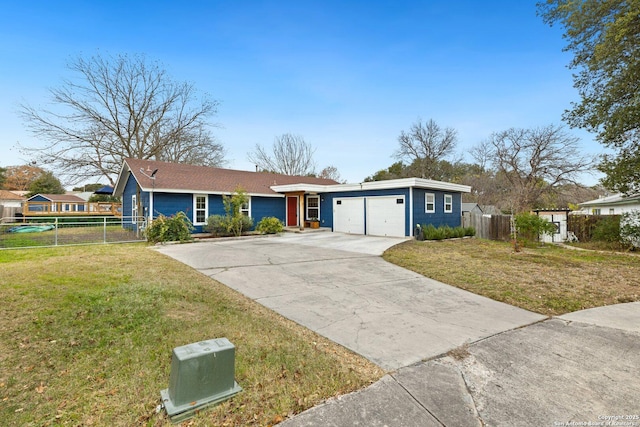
38,198
267,206
171,203
439,217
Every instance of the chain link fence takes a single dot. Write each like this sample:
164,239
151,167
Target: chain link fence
61,231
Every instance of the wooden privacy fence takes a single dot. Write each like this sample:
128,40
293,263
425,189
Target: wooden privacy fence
492,227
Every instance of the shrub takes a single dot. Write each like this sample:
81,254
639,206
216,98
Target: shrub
530,227
270,225
217,225
607,230
177,227
430,232
630,228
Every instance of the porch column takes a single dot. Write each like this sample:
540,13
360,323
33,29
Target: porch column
301,211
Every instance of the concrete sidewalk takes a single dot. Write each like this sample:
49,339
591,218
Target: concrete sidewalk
551,373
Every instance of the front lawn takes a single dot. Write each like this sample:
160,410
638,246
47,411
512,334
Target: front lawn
86,335
549,280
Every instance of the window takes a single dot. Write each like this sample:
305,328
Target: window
245,209
448,203
595,211
134,209
200,209
313,207
612,211
429,203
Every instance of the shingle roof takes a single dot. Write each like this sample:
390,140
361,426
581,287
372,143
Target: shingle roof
615,199
8,195
181,177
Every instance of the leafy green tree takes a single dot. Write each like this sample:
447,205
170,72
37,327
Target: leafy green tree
89,187
232,207
604,37
394,171
531,227
47,183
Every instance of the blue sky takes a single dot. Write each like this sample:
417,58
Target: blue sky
348,76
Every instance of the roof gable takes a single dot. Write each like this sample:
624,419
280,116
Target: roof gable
70,198
177,177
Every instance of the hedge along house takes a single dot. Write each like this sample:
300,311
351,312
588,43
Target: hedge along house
381,208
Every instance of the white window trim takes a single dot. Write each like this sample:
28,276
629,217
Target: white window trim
450,209
433,202
307,207
134,209
195,210
248,210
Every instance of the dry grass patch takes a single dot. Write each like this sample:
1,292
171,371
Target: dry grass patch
548,280
86,335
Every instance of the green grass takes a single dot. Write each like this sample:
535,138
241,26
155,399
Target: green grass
548,279
86,335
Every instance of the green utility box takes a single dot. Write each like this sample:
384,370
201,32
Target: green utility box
202,374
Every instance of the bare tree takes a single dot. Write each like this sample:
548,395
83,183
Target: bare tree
331,172
535,162
290,155
119,107
425,144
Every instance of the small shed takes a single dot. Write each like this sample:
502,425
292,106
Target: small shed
10,204
559,218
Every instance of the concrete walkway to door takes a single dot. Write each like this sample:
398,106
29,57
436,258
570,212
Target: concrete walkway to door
338,286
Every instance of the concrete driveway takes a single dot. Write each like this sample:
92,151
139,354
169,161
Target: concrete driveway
579,369
339,286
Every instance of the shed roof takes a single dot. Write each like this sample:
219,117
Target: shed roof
178,177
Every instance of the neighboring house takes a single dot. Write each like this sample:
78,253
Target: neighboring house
383,208
10,204
51,204
610,205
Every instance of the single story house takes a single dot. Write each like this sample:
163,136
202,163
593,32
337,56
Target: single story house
54,203
382,208
616,204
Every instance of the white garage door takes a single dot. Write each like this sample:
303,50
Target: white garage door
386,216
348,215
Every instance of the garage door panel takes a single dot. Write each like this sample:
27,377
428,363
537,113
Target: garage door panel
348,215
386,216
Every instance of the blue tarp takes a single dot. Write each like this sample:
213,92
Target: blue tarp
31,228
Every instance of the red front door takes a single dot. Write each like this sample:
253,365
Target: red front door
292,211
